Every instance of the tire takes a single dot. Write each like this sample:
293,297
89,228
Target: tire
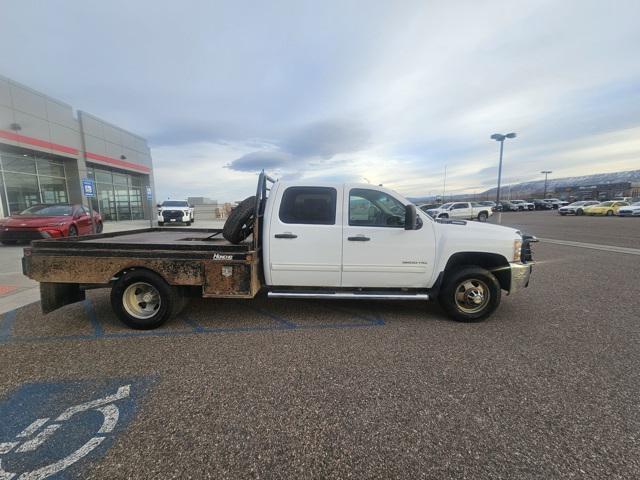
579,212
161,224
482,217
99,227
453,299
562,213
126,300
239,225
188,224
73,231
609,213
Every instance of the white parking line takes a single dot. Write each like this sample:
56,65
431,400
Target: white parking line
593,246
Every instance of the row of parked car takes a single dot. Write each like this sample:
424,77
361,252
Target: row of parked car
608,208
483,209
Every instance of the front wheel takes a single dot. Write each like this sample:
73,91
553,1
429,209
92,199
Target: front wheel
482,217
579,212
609,213
73,231
99,227
161,224
143,300
470,294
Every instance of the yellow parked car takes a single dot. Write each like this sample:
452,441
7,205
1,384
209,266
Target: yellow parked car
605,208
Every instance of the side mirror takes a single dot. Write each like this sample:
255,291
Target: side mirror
410,217
159,206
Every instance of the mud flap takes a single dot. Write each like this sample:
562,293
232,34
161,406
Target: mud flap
56,295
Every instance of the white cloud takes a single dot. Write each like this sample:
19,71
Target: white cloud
390,91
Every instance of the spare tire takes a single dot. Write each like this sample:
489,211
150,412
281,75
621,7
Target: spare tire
239,225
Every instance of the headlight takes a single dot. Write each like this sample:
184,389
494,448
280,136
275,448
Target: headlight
517,250
54,224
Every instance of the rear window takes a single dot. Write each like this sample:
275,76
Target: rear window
309,205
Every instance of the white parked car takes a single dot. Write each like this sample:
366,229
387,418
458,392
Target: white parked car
632,210
175,211
576,208
462,211
523,205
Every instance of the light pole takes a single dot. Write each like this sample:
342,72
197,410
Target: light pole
546,174
498,137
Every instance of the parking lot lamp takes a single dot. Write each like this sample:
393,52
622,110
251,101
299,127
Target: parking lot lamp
498,137
546,174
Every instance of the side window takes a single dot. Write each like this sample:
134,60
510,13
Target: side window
309,205
372,208
459,205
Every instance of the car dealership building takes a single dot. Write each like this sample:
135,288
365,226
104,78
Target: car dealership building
46,151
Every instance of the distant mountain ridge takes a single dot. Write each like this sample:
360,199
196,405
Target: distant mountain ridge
536,186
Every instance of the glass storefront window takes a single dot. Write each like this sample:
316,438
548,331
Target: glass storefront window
103,176
106,201
53,190
135,197
18,163
22,191
120,179
122,203
50,168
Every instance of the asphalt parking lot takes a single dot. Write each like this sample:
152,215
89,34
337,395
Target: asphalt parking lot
546,388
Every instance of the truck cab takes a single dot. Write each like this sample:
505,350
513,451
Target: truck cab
354,240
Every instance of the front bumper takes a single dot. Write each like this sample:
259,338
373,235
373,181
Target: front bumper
520,275
22,235
627,213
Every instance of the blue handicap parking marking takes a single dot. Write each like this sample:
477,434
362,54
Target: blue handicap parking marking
56,430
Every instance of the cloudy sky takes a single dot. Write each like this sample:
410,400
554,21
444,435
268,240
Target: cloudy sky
388,91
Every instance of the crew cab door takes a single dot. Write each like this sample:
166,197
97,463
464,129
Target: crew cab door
305,237
460,210
377,250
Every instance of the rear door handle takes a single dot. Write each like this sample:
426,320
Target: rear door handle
359,238
285,235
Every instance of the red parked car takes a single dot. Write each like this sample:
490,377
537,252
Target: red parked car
48,221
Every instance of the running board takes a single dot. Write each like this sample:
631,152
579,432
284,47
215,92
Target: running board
351,295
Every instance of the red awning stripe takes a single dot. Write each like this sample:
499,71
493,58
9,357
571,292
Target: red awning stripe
16,137
118,163
73,151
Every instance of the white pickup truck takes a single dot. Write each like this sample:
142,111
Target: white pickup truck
175,211
293,240
462,211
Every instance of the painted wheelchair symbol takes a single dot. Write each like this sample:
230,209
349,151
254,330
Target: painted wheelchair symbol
27,442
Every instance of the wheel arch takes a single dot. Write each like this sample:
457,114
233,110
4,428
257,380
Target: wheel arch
494,262
117,276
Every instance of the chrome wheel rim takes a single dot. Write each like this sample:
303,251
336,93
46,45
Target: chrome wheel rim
472,295
141,300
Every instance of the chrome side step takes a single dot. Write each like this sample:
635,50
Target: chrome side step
351,295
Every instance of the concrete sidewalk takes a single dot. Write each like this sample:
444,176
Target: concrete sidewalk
16,290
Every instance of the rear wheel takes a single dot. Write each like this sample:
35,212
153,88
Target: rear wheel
161,224
470,294
99,227
143,300
579,212
609,213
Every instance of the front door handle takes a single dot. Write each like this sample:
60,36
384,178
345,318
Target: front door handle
285,235
359,238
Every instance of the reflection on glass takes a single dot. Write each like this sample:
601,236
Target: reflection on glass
22,191
18,163
53,190
51,168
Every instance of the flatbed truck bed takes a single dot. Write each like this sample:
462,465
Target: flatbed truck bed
184,257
